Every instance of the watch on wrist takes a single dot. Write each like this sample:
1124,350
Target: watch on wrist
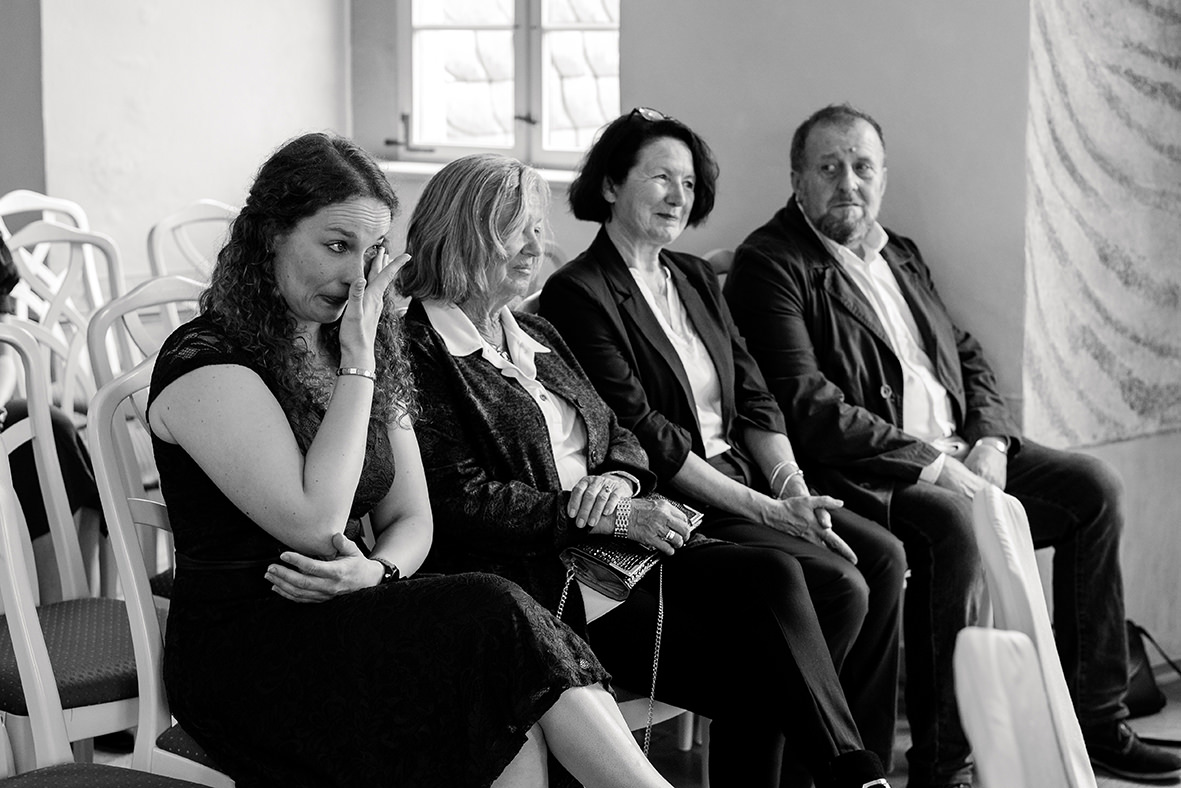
999,443
623,518
391,571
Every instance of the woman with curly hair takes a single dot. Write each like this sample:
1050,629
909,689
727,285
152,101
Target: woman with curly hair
297,654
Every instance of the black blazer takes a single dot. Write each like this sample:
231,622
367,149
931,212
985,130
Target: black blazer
598,308
833,370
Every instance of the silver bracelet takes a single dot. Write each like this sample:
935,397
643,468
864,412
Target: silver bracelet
623,518
362,373
627,477
778,467
788,478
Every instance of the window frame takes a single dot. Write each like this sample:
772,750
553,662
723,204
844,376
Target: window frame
528,91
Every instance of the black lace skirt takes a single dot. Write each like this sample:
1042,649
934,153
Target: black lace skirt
425,682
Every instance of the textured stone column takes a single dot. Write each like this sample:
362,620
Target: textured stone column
1103,224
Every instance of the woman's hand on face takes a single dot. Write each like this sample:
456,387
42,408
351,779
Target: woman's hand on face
808,517
304,579
358,329
594,497
657,523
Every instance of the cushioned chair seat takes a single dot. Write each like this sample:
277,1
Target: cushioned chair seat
92,775
89,644
177,741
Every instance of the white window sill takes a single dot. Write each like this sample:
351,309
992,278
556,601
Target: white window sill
425,169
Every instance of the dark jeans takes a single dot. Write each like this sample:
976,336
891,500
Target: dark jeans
1073,505
741,645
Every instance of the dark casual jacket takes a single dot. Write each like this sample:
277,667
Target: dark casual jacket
829,362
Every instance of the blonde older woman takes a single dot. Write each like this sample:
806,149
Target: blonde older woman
522,458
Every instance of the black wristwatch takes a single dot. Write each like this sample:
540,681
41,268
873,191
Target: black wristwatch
392,572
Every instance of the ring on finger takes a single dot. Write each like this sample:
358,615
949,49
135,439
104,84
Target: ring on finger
668,537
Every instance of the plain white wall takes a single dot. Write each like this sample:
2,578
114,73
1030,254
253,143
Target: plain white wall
152,105
947,81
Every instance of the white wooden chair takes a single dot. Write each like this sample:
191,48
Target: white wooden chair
62,299
134,317
138,321
80,646
47,718
23,202
176,230
161,747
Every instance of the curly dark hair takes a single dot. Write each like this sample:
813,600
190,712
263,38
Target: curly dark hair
615,151
303,176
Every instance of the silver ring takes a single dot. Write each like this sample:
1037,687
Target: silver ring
668,537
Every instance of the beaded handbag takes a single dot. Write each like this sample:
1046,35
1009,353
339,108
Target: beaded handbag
611,565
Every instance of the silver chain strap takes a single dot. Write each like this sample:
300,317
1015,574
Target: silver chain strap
655,653
656,650
565,591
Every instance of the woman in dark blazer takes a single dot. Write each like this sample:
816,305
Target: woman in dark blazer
652,331
523,458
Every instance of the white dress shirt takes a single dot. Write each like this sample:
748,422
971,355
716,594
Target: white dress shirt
926,407
567,431
695,358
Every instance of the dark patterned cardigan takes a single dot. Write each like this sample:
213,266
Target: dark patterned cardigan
497,501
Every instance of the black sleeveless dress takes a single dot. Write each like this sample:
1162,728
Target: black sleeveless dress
430,681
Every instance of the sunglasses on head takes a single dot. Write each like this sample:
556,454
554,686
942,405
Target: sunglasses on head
649,114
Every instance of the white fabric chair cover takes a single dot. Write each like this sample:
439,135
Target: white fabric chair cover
1015,592
1006,711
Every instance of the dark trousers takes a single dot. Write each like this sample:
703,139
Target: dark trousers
741,645
859,608
1073,505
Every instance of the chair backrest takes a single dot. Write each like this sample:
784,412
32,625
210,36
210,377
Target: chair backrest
23,202
720,260
63,300
26,201
177,228
37,430
133,315
138,328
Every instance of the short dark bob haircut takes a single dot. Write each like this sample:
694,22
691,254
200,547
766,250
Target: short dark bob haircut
840,115
615,152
